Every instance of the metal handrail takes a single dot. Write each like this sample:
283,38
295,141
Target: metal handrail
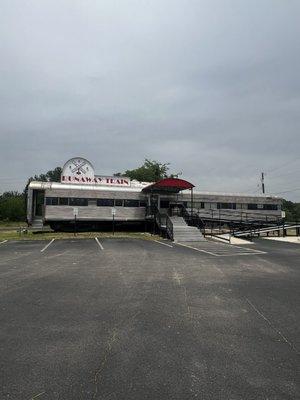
158,218
245,216
192,218
169,227
256,231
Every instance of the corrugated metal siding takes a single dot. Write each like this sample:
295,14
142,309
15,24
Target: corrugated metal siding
94,213
214,198
89,194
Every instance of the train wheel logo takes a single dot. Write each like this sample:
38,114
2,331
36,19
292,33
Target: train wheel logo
79,167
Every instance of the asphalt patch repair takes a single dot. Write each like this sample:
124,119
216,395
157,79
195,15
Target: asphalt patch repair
136,319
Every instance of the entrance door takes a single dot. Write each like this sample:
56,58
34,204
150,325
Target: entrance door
175,209
38,203
154,200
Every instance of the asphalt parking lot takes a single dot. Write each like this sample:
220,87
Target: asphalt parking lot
134,319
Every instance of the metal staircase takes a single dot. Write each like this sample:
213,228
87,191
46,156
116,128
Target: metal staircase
37,224
176,227
179,231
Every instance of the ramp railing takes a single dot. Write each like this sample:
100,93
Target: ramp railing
279,228
169,228
193,219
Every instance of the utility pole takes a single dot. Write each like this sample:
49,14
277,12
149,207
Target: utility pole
263,182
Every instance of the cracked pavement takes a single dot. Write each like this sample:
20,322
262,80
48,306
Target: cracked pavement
138,320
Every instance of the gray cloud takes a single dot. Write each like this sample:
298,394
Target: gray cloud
210,86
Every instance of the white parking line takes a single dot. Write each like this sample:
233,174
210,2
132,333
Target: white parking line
194,248
47,245
99,244
247,248
253,253
165,244
229,253
3,241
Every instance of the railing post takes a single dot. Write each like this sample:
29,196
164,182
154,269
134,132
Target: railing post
169,228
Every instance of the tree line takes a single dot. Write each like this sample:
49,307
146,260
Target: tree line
13,203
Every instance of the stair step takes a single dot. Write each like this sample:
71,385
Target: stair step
182,232
37,224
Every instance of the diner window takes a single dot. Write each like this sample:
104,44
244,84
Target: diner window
252,206
63,201
51,201
199,204
105,202
118,203
227,206
78,201
273,207
143,203
131,203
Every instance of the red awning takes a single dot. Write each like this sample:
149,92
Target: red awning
171,185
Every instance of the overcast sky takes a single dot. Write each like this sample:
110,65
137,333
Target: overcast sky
213,87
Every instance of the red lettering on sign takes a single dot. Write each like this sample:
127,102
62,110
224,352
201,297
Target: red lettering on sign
96,179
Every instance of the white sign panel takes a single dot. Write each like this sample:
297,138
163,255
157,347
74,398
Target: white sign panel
75,211
79,170
113,211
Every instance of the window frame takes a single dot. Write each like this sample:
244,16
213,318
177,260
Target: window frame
78,202
131,200
105,202
51,201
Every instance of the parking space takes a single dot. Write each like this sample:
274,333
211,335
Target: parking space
18,251
70,247
21,246
218,249
139,319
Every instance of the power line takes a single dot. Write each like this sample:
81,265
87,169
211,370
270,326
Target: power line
283,165
284,174
288,191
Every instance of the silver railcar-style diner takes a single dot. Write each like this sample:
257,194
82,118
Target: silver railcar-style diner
92,200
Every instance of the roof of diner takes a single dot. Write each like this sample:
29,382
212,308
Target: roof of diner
170,185
37,185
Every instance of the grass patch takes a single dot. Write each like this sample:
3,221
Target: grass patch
12,224
14,235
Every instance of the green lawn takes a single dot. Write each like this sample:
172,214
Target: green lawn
12,224
13,234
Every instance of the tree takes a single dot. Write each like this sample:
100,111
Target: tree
150,171
292,210
12,206
54,175
51,176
